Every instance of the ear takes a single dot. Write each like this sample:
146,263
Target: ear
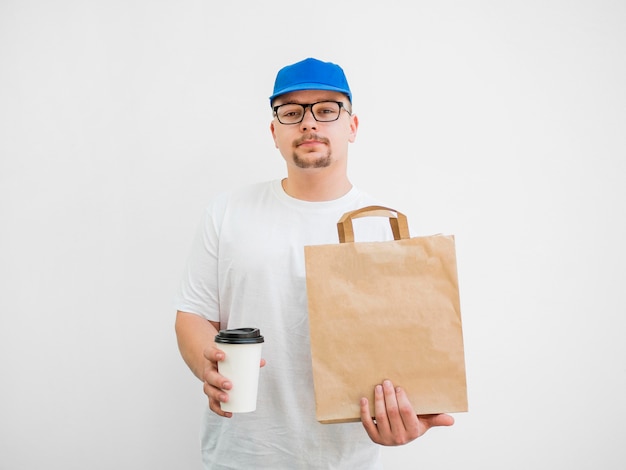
354,126
273,131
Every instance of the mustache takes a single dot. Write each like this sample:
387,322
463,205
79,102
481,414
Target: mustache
308,137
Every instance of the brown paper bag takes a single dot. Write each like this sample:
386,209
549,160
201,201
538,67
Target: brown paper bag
385,310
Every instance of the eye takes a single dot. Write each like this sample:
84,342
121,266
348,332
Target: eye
326,110
290,111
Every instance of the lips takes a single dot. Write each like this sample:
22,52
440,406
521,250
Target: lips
310,140
308,143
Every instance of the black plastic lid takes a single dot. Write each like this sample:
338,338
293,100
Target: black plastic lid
239,336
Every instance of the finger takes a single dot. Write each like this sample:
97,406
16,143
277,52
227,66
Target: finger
216,397
380,411
431,421
409,419
216,408
391,407
368,422
216,394
213,354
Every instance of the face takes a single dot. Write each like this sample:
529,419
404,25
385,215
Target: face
313,144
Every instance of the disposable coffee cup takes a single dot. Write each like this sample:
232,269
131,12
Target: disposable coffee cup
242,347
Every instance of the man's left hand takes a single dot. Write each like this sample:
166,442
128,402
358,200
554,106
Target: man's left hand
395,423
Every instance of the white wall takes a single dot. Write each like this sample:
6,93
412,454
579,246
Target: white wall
500,122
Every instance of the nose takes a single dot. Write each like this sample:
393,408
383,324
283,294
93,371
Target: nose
308,121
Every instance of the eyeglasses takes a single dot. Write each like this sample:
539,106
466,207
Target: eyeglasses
322,111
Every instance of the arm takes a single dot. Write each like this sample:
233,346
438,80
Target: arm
196,342
395,422
194,335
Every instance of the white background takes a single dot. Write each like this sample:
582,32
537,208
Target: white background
503,123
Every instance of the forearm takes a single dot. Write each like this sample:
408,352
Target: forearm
194,335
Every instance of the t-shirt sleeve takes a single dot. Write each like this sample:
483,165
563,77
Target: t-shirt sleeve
198,291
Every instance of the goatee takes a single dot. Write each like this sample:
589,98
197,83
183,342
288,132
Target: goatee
321,162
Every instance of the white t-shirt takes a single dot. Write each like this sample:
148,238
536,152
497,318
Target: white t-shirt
246,269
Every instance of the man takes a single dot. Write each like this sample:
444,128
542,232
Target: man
246,269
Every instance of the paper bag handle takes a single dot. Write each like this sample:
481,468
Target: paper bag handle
397,220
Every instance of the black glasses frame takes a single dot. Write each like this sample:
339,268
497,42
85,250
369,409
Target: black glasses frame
310,105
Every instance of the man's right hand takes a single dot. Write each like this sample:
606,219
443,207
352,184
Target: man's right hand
215,385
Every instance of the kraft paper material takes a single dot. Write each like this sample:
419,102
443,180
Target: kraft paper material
385,310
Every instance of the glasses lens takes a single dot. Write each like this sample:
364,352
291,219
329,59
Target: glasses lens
326,111
290,113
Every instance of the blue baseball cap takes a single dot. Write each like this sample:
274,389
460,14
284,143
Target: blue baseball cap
310,74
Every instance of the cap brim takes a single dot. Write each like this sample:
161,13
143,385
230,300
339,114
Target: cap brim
310,86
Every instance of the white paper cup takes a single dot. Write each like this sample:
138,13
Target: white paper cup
241,366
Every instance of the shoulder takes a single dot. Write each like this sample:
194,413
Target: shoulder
243,195
239,203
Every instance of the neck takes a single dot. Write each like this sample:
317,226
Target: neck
316,186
